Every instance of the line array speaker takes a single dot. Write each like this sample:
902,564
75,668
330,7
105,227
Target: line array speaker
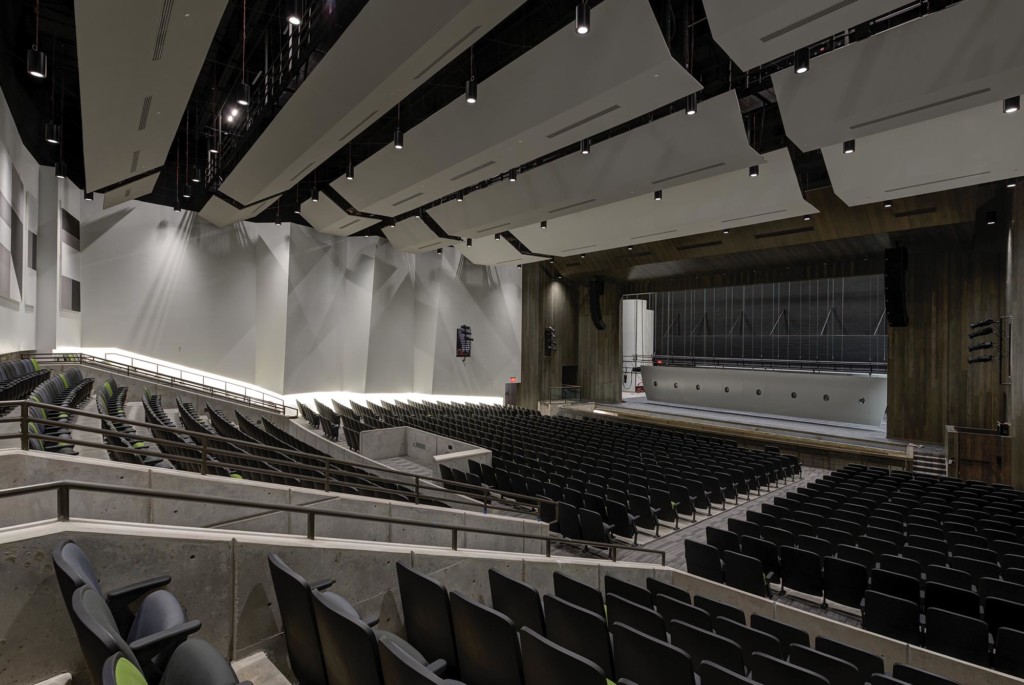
895,286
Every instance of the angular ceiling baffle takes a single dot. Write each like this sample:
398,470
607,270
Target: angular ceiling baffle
963,149
413,235
492,252
528,109
221,213
754,32
670,151
131,190
390,49
962,57
713,204
327,217
136,75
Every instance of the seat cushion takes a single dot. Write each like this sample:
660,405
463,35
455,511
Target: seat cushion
159,611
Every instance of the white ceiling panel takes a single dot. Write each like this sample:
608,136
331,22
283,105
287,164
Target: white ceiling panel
491,252
949,61
412,235
754,32
391,48
670,151
130,191
567,88
714,204
138,63
957,150
221,213
327,217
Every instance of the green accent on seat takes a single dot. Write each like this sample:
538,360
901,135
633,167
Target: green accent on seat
237,475
35,364
138,445
125,673
64,379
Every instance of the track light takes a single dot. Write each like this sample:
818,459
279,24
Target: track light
36,63
657,195
802,61
990,218
242,93
497,236
350,172
887,204
807,217
52,133
399,139
471,91
469,242
754,171
315,197
458,196
513,175
61,169
1012,183
88,196
543,225
583,18
1011,105
197,175
187,192
585,146
849,147
690,106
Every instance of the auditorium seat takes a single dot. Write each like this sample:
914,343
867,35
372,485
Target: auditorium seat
786,634
749,639
547,663
427,613
769,670
577,593
519,601
637,616
892,616
835,670
703,645
579,630
626,590
399,668
957,636
649,661
195,662
487,644
713,674
915,676
866,662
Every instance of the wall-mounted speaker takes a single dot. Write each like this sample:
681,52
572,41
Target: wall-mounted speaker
550,341
895,286
595,292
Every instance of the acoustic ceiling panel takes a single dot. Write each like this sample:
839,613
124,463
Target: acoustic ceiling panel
949,61
327,217
221,213
961,149
491,252
711,205
390,49
137,65
754,32
130,191
412,235
672,150
567,88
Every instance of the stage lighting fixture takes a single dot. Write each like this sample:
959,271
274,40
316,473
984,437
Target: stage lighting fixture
399,139
89,196
979,324
802,61
984,331
242,94
980,360
315,197
849,147
543,225
471,91
755,170
887,204
583,18
980,346
1011,105
657,196
990,218
36,63
690,106
61,169
52,131
513,175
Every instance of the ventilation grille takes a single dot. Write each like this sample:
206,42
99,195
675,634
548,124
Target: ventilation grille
687,173
161,31
444,54
302,172
587,120
351,223
147,102
135,161
922,108
357,126
572,206
941,180
411,197
493,228
581,247
473,170
696,246
809,19
784,231
752,216
651,235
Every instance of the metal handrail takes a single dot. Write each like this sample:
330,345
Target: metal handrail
64,489
813,365
264,400
392,477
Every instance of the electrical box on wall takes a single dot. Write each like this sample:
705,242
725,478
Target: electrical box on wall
463,341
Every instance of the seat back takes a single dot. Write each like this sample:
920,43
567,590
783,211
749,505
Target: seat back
671,609
716,609
703,645
658,587
835,670
580,594
197,662
750,640
915,676
745,573
634,593
74,570
786,634
487,643
428,616
957,600
892,616
957,636
349,645
866,662
637,616
713,674
519,601
644,659
97,631
398,668
768,670
703,560
547,663
579,630
845,581
295,602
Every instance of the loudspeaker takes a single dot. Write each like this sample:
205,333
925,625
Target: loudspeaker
596,290
895,286
550,341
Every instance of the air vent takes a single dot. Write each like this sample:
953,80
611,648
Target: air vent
572,206
344,226
161,31
144,115
809,19
922,108
583,121
493,228
581,247
695,246
474,170
444,54
753,216
302,172
357,126
941,180
651,235
135,161
687,173
411,197
785,231
914,212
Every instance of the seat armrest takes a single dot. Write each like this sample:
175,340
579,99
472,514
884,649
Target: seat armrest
373,621
123,596
166,640
321,584
437,667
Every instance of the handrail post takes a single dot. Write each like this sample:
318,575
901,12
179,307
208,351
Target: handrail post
614,554
24,425
547,547
455,538
416,492
202,468
63,503
311,526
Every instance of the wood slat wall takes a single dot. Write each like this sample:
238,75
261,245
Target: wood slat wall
547,301
1015,300
600,352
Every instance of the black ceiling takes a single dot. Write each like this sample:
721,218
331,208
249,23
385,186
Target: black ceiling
34,102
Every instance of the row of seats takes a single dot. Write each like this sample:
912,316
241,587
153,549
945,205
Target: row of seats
137,634
49,428
126,446
18,378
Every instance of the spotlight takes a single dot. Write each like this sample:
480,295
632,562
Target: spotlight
519,266
471,91
52,133
583,256
88,196
802,61
187,192
242,93
213,148
440,251
350,172
583,18
585,146
1011,105
807,217
690,107
458,197
887,204
469,242
177,206
234,111
315,197
990,218
657,196
36,63
1012,183
543,225
849,147
295,18
629,248
754,171
277,221
399,139
726,231
513,175
197,176
497,236
61,169
231,119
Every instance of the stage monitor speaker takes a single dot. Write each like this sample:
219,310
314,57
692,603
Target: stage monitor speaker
895,286
596,290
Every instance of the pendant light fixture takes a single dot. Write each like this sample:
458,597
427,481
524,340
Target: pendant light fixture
471,83
583,18
350,171
36,60
242,91
399,141
295,16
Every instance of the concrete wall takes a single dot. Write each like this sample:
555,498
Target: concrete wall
420,447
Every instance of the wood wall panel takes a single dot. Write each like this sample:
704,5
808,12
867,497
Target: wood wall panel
547,301
600,352
1015,298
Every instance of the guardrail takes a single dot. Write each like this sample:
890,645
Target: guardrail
165,375
635,363
64,488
